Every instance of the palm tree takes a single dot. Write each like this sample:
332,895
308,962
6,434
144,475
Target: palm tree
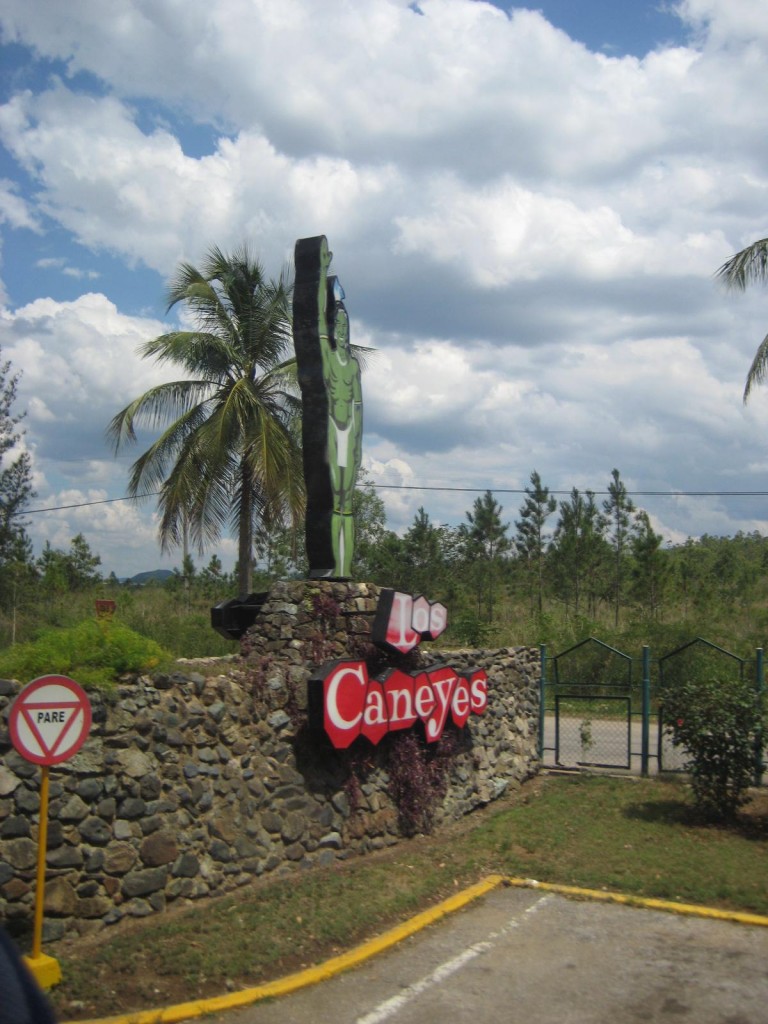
747,267
230,452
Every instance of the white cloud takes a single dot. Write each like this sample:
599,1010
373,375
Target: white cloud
14,210
79,367
526,230
726,22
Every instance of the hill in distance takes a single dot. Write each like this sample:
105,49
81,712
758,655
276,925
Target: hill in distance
152,576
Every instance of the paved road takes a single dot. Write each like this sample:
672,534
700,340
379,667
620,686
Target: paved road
609,744
521,955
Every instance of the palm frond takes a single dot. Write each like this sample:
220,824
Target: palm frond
151,468
746,267
201,354
759,368
157,406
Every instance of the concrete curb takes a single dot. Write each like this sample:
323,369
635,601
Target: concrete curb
346,961
647,903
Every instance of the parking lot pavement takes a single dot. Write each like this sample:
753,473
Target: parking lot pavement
535,957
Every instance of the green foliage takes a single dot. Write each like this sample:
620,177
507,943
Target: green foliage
485,547
650,569
94,653
229,452
64,572
715,587
15,491
370,525
715,718
578,556
530,540
619,511
468,631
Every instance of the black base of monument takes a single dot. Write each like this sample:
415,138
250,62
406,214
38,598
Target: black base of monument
233,618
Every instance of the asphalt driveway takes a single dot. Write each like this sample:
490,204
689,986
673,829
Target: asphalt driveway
535,957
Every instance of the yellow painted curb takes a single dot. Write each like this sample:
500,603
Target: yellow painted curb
691,909
310,976
345,961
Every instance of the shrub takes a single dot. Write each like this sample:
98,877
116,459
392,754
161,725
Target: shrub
418,777
94,653
716,721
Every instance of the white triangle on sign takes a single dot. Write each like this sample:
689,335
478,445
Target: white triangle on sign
49,729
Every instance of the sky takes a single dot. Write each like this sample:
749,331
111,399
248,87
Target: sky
527,207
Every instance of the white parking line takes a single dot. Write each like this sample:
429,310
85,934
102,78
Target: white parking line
384,1011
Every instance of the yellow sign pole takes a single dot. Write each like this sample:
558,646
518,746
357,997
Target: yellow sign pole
46,969
49,721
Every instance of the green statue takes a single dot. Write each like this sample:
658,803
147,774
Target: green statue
329,376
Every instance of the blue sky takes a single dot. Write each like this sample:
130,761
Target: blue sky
527,206
615,27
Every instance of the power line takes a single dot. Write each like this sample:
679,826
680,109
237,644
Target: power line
425,487
83,504
523,490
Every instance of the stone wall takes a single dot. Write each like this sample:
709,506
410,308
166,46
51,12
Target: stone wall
194,783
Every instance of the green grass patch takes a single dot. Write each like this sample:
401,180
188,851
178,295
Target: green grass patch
638,837
94,653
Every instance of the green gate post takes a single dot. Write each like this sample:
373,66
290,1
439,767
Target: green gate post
759,689
646,709
542,687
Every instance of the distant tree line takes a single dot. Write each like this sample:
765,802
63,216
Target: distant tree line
229,455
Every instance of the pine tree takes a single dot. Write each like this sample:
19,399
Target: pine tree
651,569
485,542
579,552
530,541
16,566
619,510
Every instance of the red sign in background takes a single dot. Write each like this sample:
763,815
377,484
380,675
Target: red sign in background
50,720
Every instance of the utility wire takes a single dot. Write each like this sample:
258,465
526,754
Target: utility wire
523,490
424,487
83,504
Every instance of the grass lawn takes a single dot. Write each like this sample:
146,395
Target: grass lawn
638,837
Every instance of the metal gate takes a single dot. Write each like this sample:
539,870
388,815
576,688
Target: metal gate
600,708
590,704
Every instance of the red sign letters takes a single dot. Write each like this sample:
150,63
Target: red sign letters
348,703
403,621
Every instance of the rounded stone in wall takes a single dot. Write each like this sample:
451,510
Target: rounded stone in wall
95,831
142,883
20,854
8,781
119,858
60,898
158,848
187,866
15,827
293,826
